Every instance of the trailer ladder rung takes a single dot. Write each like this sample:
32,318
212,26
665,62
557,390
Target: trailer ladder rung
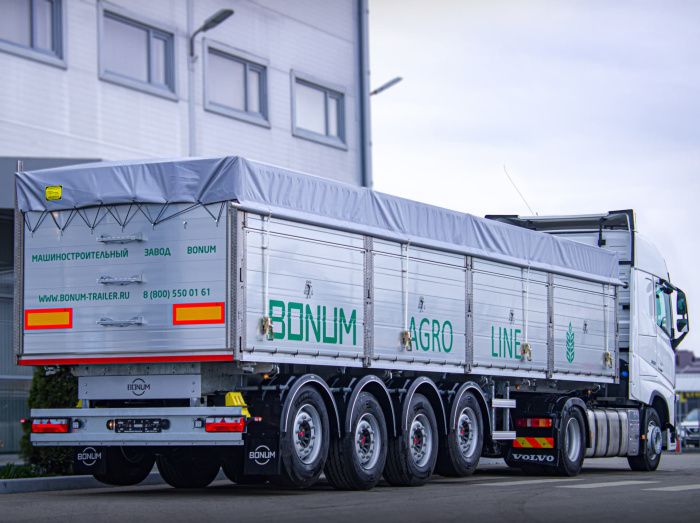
501,435
500,403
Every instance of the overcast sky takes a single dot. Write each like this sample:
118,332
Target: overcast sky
592,106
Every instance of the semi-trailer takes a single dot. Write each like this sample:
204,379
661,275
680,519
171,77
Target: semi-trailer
225,313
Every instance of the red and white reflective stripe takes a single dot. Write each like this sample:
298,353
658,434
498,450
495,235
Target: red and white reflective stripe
534,423
224,424
52,426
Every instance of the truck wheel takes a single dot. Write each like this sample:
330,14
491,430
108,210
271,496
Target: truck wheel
459,455
304,444
232,465
356,461
188,467
652,445
573,443
412,455
125,466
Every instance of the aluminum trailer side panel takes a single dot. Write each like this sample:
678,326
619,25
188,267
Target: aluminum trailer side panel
423,292
309,281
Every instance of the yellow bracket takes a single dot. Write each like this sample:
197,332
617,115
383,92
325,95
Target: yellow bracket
235,399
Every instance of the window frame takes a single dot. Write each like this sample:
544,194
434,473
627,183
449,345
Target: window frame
155,31
661,297
57,57
330,91
249,62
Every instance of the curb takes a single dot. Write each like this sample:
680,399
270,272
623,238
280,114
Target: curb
15,486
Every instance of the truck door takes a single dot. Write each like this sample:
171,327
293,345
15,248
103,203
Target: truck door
646,327
664,331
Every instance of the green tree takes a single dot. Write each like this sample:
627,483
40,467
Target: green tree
52,387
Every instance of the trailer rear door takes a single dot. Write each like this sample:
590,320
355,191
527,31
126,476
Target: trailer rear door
125,283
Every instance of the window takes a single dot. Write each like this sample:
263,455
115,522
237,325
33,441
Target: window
33,28
137,55
663,309
318,111
235,84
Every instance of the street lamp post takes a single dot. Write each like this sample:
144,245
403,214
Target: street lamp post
210,23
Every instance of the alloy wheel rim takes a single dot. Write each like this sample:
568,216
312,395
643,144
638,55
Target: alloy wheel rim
420,440
466,433
367,441
308,434
573,439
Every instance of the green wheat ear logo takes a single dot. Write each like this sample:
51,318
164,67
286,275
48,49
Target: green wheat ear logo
570,353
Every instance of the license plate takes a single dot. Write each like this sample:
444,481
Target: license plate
139,425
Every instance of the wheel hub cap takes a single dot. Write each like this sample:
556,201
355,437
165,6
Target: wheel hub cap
367,442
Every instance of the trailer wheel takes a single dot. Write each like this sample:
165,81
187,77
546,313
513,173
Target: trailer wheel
193,467
356,461
232,465
573,443
652,445
412,455
461,449
125,466
304,444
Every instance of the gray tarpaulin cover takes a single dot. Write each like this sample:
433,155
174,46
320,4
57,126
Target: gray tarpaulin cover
287,194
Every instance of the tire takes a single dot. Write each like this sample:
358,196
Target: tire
232,465
192,467
412,455
573,443
356,461
651,446
125,466
460,451
304,444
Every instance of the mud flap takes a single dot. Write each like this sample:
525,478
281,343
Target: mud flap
545,457
262,454
89,460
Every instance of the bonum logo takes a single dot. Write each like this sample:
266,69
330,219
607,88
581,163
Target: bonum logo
89,456
262,455
138,387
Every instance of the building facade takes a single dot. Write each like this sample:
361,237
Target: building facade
283,82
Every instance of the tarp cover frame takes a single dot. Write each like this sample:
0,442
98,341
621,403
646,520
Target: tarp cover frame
283,193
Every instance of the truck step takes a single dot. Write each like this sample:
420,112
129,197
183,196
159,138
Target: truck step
502,435
499,403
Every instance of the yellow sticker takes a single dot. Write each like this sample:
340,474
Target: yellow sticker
53,192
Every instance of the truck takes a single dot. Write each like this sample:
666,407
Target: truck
221,313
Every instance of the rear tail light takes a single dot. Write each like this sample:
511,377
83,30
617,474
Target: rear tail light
219,424
533,423
50,426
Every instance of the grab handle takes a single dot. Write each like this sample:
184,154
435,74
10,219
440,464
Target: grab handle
109,322
127,238
112,280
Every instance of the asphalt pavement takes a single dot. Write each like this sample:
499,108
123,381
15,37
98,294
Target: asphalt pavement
605,491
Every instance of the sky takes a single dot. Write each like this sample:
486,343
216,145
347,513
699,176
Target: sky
591,105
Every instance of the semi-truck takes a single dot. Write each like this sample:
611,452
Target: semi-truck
221,313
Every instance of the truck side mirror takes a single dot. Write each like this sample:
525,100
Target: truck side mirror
681,305
682,325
